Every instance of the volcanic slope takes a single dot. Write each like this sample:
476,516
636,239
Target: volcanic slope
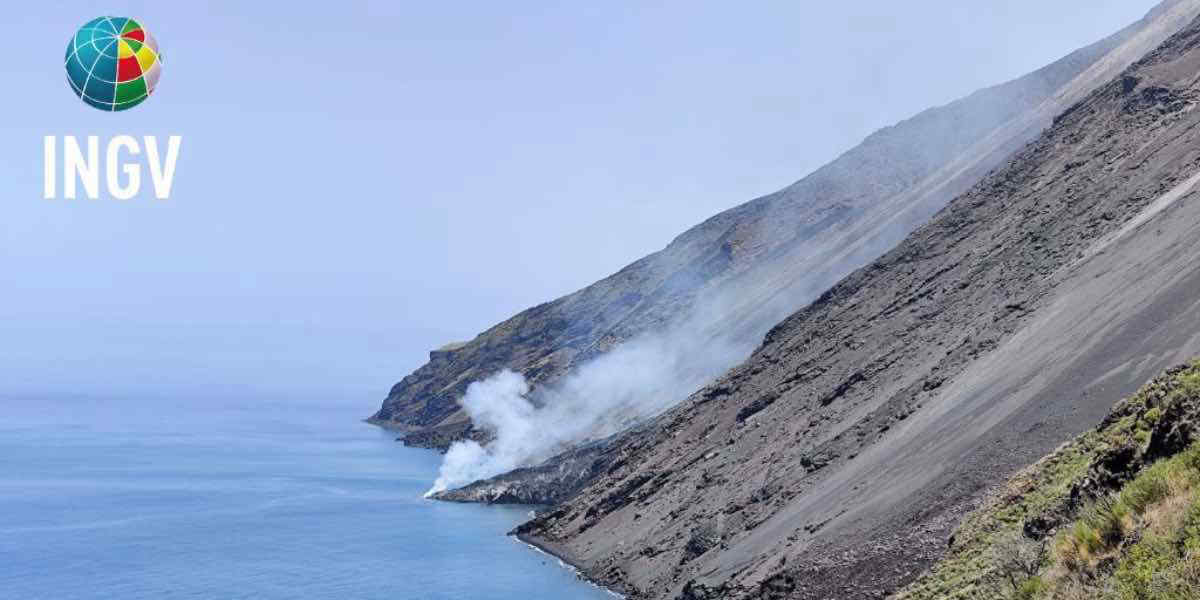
836,461
742,271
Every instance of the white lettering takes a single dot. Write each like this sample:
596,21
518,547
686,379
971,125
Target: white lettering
122,173
50,168
87,170
162,174
132,172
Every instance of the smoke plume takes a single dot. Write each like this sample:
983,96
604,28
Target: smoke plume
631,382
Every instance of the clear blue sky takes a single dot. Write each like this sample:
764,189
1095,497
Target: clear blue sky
363,181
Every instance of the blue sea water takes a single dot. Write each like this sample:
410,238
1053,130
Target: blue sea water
171,499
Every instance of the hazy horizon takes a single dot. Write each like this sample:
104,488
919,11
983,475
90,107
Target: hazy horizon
411,175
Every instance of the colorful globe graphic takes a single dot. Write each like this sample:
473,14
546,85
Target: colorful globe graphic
113,63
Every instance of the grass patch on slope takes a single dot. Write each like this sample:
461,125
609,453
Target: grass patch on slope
1140,543
972,569
1143,534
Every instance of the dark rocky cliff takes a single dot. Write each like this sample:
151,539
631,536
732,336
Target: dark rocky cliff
766,258
837,460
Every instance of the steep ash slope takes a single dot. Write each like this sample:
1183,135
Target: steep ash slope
755,264
837,459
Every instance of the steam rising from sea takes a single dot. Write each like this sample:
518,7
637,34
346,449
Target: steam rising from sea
631,382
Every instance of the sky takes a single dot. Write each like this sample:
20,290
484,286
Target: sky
360,182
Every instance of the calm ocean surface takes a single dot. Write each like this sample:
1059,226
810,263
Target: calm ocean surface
172,500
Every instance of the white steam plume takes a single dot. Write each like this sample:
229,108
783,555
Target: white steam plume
633,381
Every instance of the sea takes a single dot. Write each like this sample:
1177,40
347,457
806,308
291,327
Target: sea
121,498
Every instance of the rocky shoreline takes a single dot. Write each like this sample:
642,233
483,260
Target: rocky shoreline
563,555
549,483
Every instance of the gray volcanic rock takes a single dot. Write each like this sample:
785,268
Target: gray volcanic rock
763,260
551,482
837,459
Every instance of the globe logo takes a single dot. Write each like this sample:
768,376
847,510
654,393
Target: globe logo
113,63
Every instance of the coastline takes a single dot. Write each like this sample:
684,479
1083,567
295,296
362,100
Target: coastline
438,438
541,546
564,558
391,426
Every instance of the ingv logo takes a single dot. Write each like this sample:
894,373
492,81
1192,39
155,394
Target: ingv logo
86,169
113,64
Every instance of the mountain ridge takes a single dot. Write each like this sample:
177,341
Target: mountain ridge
873,418
762,260
547,483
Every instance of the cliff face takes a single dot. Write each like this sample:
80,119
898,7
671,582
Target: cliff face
837,460
763,260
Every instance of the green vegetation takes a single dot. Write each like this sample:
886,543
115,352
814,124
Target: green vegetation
1138,539
1140,543
973,568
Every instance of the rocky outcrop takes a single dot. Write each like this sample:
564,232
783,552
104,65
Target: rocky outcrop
551,482
765,259
1008,324
1039,507
1160,421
